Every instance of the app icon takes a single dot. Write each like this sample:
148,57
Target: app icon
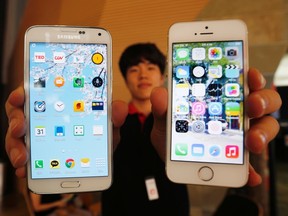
78,130
97,130
59,106
197,150
181,149
198,89
100,162
97,82
232,109
39,164
215,53
39,57
78,82
215,71
215,108
39,106
182,54
182,72
181,126
198,53
97,58
59,81
59,57
232,151
54,164
215,150
59,131
232,90
182,107
198,71
231,52
97,105
215,90
39,82
232,71
78,106
40,131
70,163
198,126
215,127
182,89
198,108
85,162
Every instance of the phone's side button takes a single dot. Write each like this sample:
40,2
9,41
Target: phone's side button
70,184
205,173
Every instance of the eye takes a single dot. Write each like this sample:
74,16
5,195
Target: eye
133,69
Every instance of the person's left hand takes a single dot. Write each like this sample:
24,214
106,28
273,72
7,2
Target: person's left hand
259,103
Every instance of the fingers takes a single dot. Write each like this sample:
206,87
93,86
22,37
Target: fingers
256,80
254,178
14,101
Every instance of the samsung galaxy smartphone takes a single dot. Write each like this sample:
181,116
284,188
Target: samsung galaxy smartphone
68,79
206,121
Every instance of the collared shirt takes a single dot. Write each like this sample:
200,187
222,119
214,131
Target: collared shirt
132,110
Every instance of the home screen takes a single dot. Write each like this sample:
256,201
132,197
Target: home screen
207,102
68,110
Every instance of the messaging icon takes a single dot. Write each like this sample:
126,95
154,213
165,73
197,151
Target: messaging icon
54,164
85,162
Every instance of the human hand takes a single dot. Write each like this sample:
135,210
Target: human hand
263,128
15,146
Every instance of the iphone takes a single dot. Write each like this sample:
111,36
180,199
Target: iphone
206,121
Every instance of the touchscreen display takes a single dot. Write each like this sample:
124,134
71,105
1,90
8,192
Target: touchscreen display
68,110
207,102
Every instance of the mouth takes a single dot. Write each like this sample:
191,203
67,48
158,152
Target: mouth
144,85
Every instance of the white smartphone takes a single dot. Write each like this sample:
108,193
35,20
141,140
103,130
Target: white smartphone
206,121
68,89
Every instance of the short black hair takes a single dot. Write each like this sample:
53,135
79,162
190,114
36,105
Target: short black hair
136,53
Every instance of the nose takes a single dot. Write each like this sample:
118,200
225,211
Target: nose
143,71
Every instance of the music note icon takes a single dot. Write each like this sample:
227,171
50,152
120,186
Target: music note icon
232,151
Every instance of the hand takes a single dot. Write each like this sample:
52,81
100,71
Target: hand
260,102
15,146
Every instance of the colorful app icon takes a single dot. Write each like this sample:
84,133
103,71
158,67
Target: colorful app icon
97,105
232,71
39,82
197,150
54,164
40,131
181,149
39,164
39,57
232,90
97,82
78,82
198,108
231,52
215,127
215,53
182,126
39,106
215,108
198,71
97,130
59,106
198,54
182,107
70,163
182,89
232,151
198,126
59,81
97,58
59,57
85,162
215,150
78,106
215,89
59,131
182,72
232,109
215,71
182,54
198,90
78,130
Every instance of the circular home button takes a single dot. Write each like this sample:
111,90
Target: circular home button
205,173
70,184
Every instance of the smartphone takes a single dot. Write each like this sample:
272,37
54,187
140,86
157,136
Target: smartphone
68,89
206,121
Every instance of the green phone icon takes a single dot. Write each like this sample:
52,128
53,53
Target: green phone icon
39,164
181,149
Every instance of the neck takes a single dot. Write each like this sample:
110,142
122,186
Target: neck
143,106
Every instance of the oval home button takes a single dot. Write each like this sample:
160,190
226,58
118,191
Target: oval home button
70,184
205,173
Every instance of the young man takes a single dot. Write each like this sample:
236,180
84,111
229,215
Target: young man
135,159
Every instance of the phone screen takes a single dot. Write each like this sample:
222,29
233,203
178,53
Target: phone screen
207,102
68,110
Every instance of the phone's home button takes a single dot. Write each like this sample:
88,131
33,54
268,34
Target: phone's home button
205,173
70,184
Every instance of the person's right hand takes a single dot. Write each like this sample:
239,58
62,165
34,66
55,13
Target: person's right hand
15,146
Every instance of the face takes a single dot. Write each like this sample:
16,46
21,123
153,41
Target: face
141,79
